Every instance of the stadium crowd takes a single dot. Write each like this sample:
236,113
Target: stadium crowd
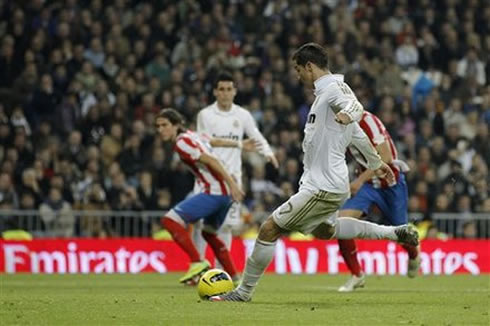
81,82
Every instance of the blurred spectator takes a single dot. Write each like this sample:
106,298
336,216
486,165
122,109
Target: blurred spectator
18,120
95,200
30,186
147,193
407,53
469,230
57,215
111,145
74,149
131,158
44,100
471,67
8,195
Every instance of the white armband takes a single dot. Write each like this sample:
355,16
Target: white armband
353,110
239,144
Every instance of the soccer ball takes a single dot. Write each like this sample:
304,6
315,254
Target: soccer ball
214,282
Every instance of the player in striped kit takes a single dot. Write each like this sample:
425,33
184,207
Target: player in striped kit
369,190
226,120
216,192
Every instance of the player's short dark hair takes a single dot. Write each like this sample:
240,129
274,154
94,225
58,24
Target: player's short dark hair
223,76
172,115
311,52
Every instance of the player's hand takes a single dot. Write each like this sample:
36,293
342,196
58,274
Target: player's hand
237,193
384,171
250,145
273,160
343,118
355,186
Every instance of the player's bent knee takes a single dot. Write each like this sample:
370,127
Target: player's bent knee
324,231
175,217
270,231
354,213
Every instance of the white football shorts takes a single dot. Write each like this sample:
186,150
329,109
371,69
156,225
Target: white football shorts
307,209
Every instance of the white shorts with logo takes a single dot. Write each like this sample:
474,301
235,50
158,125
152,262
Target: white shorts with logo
307,209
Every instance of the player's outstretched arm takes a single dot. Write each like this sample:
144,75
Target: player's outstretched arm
262,145
361,141
214,164
384,152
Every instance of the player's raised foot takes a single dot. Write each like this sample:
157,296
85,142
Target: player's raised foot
236,282
353,283
413,267
230,296
407,234
195,269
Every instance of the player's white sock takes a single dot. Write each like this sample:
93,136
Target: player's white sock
261,257
224,233
198,240
350,228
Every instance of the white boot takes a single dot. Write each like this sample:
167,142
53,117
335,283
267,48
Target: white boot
353,283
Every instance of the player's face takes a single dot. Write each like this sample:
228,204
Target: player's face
304,74
225,92
166,129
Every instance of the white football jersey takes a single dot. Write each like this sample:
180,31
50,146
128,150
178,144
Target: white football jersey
325,141
232,124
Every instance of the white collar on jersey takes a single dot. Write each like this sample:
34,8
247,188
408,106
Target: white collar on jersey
221,112
322,82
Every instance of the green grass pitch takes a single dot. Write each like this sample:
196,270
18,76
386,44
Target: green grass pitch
153,299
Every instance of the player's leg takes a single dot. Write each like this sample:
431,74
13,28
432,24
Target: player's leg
397,199
354,207
197,238
256,264
349,228
232,220
287,214
224,233
176,226
188,211
211,224
348,250
221,252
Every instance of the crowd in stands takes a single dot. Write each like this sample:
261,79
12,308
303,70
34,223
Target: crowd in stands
81,81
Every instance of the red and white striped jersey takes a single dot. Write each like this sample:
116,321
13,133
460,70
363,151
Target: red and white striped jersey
377,134
190,146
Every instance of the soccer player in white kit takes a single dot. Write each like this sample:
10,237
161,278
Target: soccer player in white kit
227,120
324,186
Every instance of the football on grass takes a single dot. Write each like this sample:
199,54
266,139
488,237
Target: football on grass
214,282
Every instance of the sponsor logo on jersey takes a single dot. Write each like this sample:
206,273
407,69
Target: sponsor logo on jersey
228,136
